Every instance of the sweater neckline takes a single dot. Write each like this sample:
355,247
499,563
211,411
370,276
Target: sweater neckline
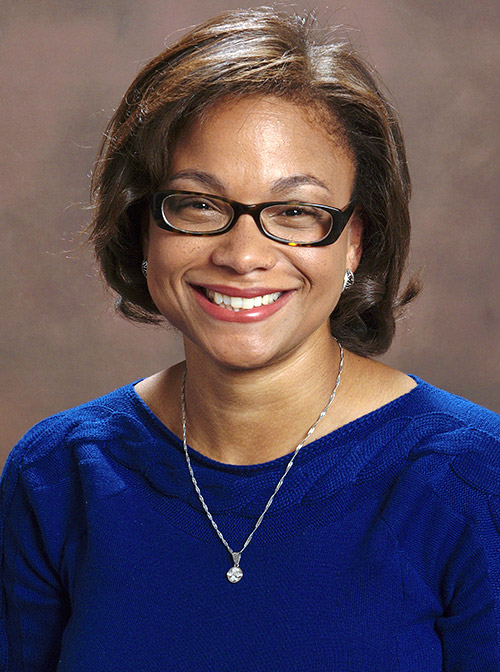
141,442
350,431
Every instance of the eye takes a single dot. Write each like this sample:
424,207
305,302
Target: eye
201,205
194,202
195,212
296,212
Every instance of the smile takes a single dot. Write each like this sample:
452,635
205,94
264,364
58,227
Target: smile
237,303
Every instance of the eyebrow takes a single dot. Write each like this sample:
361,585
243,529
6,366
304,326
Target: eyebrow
287,183
199,176
281,185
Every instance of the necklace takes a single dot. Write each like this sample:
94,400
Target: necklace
235,573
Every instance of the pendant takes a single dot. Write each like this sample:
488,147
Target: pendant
235,573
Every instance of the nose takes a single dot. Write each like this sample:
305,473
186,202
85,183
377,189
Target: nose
244,249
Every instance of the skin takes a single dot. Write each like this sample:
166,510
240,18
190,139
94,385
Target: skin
276,373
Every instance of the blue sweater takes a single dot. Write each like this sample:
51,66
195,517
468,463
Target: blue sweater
381,551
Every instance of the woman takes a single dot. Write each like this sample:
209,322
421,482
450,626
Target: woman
329,512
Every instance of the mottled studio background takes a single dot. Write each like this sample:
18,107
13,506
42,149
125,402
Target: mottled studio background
64,66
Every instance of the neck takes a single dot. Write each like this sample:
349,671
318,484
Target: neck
254,416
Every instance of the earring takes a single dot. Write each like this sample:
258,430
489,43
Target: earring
348,279
144,268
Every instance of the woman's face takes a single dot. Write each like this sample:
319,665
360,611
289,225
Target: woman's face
254,150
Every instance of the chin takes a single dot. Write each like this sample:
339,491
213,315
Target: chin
249,366
247,362
240,356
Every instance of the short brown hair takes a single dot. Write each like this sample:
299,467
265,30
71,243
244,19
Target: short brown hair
268,52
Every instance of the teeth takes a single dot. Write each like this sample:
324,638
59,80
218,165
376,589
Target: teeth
237,303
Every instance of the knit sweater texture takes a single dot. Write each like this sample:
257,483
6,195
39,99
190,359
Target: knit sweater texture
381,551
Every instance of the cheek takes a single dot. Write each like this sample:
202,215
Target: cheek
164,263
324,266
171,258
169,253
325,275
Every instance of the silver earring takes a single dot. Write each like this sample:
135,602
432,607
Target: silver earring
348,279
144,268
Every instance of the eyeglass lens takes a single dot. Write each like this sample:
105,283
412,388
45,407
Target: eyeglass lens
294,222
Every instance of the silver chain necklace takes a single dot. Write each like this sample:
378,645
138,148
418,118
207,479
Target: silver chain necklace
235,573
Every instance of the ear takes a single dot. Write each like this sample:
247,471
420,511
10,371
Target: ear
354,242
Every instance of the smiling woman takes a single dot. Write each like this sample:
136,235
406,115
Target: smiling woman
252,191
237,151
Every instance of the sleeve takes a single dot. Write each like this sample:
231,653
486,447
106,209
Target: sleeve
470,626
444,510
34,606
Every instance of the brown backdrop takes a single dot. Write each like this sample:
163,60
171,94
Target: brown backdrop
65,64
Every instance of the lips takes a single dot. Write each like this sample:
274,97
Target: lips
231,304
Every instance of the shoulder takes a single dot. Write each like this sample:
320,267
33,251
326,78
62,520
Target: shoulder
438,443
447,494
468,434
430,426
68,424
444,504
449,435
435,400
50,451
430,406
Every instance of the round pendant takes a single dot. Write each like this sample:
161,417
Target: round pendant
234,574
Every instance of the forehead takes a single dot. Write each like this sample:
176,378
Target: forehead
262,139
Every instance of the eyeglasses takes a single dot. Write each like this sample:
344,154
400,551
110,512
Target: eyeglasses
288,222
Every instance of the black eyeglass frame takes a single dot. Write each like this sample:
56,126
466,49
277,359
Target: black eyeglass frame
339,217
